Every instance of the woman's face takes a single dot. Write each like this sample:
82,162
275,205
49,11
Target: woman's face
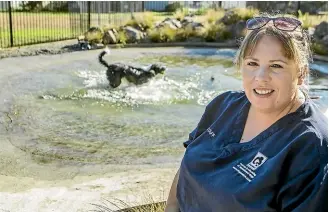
270,80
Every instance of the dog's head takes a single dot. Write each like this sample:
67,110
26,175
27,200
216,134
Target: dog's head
158,69
114,77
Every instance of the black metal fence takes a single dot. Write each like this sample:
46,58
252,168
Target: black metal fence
29,22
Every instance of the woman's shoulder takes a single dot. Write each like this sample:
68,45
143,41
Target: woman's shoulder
310,136
314,125
227,99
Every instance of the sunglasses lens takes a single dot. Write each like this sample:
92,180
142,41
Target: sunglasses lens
257,22
287,24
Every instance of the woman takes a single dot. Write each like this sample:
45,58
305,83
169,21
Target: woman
263,149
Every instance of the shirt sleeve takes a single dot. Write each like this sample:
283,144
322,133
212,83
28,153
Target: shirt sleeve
190,138
306,192
208,116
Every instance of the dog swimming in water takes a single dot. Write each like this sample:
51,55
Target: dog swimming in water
116,71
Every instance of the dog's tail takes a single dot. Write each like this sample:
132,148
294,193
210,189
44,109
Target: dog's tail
101,55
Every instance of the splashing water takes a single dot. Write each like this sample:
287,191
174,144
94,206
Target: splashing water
159,90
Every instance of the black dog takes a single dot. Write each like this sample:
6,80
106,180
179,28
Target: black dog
115,72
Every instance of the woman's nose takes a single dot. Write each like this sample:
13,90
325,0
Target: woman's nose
262,74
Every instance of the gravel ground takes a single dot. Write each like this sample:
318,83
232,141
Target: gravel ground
58,47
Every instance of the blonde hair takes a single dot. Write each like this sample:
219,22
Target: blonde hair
296,46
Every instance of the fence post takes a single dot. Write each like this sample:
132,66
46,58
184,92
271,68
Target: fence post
10,25
88,8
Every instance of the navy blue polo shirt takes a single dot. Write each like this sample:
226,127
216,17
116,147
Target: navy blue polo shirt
284,168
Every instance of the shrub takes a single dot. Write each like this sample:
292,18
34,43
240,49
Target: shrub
180,14
184,34
94,35
164,34
311,20
142,21
213,15
246,13
122,37
216,32
173,7
201,11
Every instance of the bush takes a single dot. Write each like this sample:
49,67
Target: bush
217,32
201,11
165,34
143,21
184,34
122,37
311,20
319,49
246,13
94,35
180,14
173,7
214,15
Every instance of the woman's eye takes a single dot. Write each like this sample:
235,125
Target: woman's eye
252,64
276,66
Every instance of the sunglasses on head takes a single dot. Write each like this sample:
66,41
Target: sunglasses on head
281,23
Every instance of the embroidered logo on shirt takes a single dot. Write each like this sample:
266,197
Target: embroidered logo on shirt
258,160
247,171
211,133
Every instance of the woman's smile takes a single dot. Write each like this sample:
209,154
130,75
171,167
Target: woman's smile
263,93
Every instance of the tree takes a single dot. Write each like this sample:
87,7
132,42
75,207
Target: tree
32,5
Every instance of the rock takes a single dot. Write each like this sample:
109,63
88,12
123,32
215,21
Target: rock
186,21
133,35
109,38
157,23
238,29
320,44
169,24
115,32
176,23
321,30
229,18
325,40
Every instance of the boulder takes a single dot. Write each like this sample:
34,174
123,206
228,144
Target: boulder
109,38
115,32
176,23
229,18
133,35
169,24
320,35
238,29
321,30
186,20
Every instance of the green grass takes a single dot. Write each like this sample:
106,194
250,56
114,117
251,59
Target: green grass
30,36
